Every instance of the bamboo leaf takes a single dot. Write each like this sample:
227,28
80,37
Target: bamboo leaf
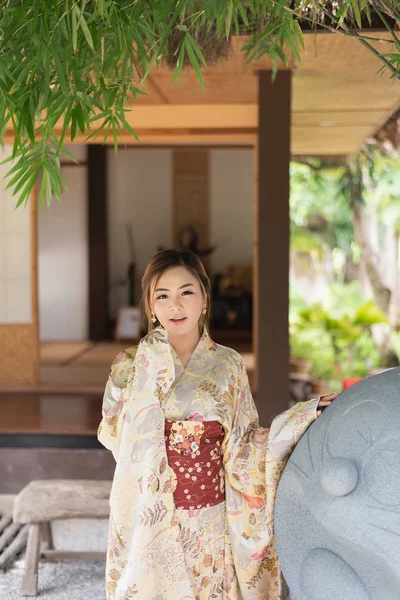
28,188
28,121
368,13
68,154
342,13
107,131
197,50
357,13
80,118
17,166
48,192
60,73
46,80
67,119
74,27
228,19
18,180
299,34
42,190
85,30
179,63
26,178
115,135
54,176
236,23
193,59
87,33
243,14
74,125
100,4
130,129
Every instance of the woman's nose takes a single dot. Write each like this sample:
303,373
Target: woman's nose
176,305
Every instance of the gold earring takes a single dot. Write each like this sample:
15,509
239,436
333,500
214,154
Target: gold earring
153,318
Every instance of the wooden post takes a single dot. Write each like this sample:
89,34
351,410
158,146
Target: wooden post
46,536
271,245
98,242
30,581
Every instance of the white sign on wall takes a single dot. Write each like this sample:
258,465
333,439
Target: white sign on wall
128,323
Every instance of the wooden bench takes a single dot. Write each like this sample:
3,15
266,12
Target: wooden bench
40,503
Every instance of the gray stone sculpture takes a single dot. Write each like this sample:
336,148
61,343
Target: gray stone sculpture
337,513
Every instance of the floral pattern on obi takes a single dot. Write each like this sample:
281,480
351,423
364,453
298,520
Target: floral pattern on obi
195,456
185,436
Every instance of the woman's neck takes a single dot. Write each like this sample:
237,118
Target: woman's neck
185,345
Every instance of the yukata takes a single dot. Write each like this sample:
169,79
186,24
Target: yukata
192,499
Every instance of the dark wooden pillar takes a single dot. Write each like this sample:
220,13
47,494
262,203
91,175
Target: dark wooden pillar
271,254
98,242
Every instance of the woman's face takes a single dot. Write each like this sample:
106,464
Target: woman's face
178,301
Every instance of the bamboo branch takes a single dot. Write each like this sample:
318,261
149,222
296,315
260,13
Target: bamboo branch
349,33
364,42
387,64
388,27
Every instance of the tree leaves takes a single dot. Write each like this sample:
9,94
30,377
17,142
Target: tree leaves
78,20
74,67
195,55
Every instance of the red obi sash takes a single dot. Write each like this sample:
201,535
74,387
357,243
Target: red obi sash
194,454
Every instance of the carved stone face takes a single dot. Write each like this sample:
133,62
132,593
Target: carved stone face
337,512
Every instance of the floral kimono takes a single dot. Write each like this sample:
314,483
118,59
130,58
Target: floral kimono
192,500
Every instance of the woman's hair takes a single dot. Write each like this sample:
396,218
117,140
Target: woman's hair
167,259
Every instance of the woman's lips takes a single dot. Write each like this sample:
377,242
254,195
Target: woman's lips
178,321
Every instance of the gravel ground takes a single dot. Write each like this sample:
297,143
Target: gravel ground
66,580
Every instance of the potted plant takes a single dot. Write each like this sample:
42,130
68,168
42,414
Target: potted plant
300,352
344,333
322,374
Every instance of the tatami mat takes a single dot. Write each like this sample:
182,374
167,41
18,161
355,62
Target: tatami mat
60,353
83,367
100,353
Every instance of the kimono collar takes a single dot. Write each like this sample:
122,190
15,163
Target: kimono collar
155,350
159,338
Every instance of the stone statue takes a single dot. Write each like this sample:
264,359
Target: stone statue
337,511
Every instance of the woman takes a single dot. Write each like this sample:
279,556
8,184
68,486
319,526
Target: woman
195,480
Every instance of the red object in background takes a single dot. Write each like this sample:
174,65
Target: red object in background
349,381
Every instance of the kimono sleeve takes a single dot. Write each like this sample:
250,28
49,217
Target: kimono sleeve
114,401
259,451
254,460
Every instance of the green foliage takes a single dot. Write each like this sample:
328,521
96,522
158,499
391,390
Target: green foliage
384,187
369,314
336,337
323,195
319,209
79,64
395,339
313,344
302,241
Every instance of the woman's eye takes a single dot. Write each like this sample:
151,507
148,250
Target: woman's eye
162,296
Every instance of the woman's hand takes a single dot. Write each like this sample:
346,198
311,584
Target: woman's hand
324,402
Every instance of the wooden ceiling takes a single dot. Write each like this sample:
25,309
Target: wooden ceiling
338,99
